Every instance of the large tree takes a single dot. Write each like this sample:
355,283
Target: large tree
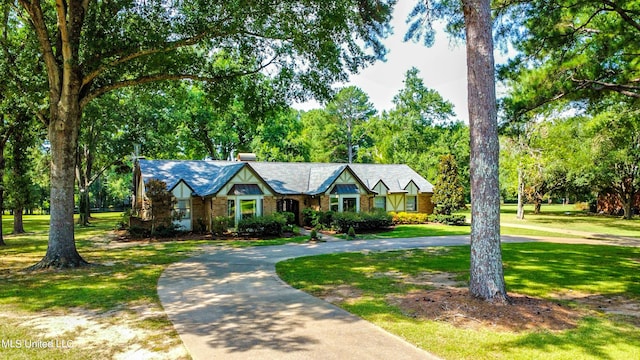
588,47
487,277
92,47
350,111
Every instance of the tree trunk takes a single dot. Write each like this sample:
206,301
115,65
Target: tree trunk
18,225
537,204
520,213
486,273
63,135
2,243
627,202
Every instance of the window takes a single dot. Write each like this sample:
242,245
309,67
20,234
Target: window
231,211
249,208
349,204
182,209
335,204
380,202
243,207
412,203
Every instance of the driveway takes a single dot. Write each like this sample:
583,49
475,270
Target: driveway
230,304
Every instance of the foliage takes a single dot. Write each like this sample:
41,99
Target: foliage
449,219
162,202
448,193
219,225
419,129
351,233
349,112
363,221
615,144
269,225
408,218
585,48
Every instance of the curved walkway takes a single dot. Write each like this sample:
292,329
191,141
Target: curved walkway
230,304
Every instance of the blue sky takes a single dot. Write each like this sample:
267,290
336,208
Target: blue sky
442,67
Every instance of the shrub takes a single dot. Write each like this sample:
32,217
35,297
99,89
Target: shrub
409,218
310,217
289,216
361,221
219,225
456,220
138,231
351,233
270,225
314,234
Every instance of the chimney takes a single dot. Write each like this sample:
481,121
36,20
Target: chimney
246,157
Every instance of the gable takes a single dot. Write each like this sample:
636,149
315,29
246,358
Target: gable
380,188
246,176
412,188
347,182
181,190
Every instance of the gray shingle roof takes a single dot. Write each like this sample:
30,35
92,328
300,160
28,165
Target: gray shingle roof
207,177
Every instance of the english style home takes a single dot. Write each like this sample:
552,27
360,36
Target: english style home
238,189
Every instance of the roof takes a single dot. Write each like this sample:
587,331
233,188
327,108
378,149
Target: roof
207,177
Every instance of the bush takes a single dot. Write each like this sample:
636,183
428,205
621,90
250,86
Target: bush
409,218
270,225
289,216
219,225
139,231
361,221
351,233
310,217
456,220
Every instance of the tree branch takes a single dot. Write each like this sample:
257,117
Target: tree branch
164,77
39,25
623,13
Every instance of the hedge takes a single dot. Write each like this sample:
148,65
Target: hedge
270,225
409,218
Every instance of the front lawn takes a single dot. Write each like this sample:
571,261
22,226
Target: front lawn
113,303
572,275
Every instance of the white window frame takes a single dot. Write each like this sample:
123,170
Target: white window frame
341,198
406,203
238,205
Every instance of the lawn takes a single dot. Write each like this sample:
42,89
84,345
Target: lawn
534,269
567,217
122,278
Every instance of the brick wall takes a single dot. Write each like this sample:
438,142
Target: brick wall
425,205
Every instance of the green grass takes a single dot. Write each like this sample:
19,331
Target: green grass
432,229
567,217
534,269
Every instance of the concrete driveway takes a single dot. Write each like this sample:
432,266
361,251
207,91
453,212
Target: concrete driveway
230,304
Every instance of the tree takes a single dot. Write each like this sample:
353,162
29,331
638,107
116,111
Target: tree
19,183
279,138
448,193
350,110
587,47
487,277
419,129
616,151
91,48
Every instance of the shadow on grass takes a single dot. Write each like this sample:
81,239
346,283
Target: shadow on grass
597,338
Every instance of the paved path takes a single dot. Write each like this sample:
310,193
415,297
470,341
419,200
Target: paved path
230,304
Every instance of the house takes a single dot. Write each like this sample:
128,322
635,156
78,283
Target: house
204,189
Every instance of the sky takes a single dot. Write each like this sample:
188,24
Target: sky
442,68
